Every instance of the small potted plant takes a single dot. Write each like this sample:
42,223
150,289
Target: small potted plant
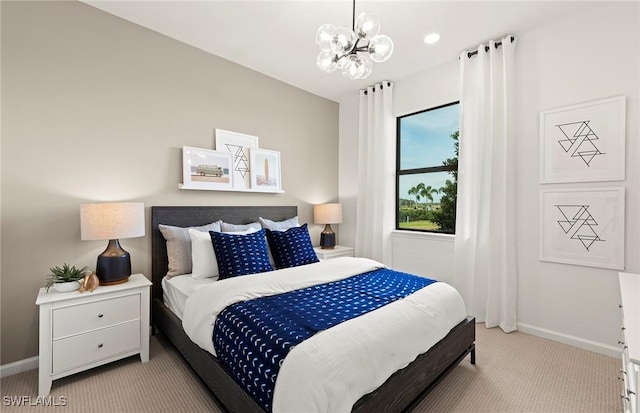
65,279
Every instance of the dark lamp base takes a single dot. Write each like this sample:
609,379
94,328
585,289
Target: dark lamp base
327,238
116,282
114,265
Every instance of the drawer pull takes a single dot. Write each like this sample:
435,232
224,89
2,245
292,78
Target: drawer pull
622,396
619,305
100,345
100,315
631,392
620,342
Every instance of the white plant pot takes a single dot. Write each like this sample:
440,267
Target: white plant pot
66,286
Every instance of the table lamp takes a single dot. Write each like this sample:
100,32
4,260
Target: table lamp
111,221
327,214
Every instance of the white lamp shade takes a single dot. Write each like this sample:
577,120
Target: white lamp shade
115,220
327,214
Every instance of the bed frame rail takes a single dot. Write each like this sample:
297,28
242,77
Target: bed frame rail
406,388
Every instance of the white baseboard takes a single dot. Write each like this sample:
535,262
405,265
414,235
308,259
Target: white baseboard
19,366
582,343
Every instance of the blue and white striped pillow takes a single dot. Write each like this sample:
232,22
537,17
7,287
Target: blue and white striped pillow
240,254
292,247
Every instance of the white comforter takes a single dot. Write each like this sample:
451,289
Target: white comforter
330,371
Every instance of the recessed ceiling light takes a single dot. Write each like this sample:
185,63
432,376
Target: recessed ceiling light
431,38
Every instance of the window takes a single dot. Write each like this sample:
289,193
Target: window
427,170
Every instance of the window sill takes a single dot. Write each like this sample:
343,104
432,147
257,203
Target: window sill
431,236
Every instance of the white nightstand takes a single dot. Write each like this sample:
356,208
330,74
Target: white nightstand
82,331
337,251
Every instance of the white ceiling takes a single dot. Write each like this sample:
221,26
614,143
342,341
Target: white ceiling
277,37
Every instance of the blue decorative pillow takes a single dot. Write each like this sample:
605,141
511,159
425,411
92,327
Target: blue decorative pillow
240,254
292,247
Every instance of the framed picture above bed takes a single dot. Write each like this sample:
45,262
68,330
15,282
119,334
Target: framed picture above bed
583,226
584,142
206,169
265,170
238,145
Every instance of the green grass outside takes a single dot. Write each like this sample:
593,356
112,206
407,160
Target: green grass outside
424,225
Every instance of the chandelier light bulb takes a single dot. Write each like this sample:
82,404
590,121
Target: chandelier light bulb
341,63
380,48
327,61
324,36
367,25
354,67
343,41
367,66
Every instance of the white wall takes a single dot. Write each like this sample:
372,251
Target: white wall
589,56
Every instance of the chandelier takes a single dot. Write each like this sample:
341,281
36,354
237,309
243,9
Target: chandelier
353,51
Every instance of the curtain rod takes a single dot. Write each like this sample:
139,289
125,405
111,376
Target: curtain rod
486,48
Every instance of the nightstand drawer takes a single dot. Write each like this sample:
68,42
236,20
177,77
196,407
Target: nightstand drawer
91,316
97,345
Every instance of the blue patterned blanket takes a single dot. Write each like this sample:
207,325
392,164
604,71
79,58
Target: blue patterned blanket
253,337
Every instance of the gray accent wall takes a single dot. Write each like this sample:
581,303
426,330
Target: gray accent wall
95,108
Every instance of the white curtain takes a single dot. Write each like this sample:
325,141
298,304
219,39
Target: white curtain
485,245
376,174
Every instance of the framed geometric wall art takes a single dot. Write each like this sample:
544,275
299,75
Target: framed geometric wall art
583,226
238,145
583,143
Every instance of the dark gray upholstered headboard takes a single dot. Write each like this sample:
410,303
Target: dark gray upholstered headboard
188,216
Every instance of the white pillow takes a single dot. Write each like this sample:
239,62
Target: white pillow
204,263
279,225
203,259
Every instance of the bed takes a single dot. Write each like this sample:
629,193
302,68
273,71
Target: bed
400,392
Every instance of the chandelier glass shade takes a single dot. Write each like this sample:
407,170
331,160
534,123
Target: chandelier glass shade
353,51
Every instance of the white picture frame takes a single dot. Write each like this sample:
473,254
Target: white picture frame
584,142
583,226
266,173
206,169
238,145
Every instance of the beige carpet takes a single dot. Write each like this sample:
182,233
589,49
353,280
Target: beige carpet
514,373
